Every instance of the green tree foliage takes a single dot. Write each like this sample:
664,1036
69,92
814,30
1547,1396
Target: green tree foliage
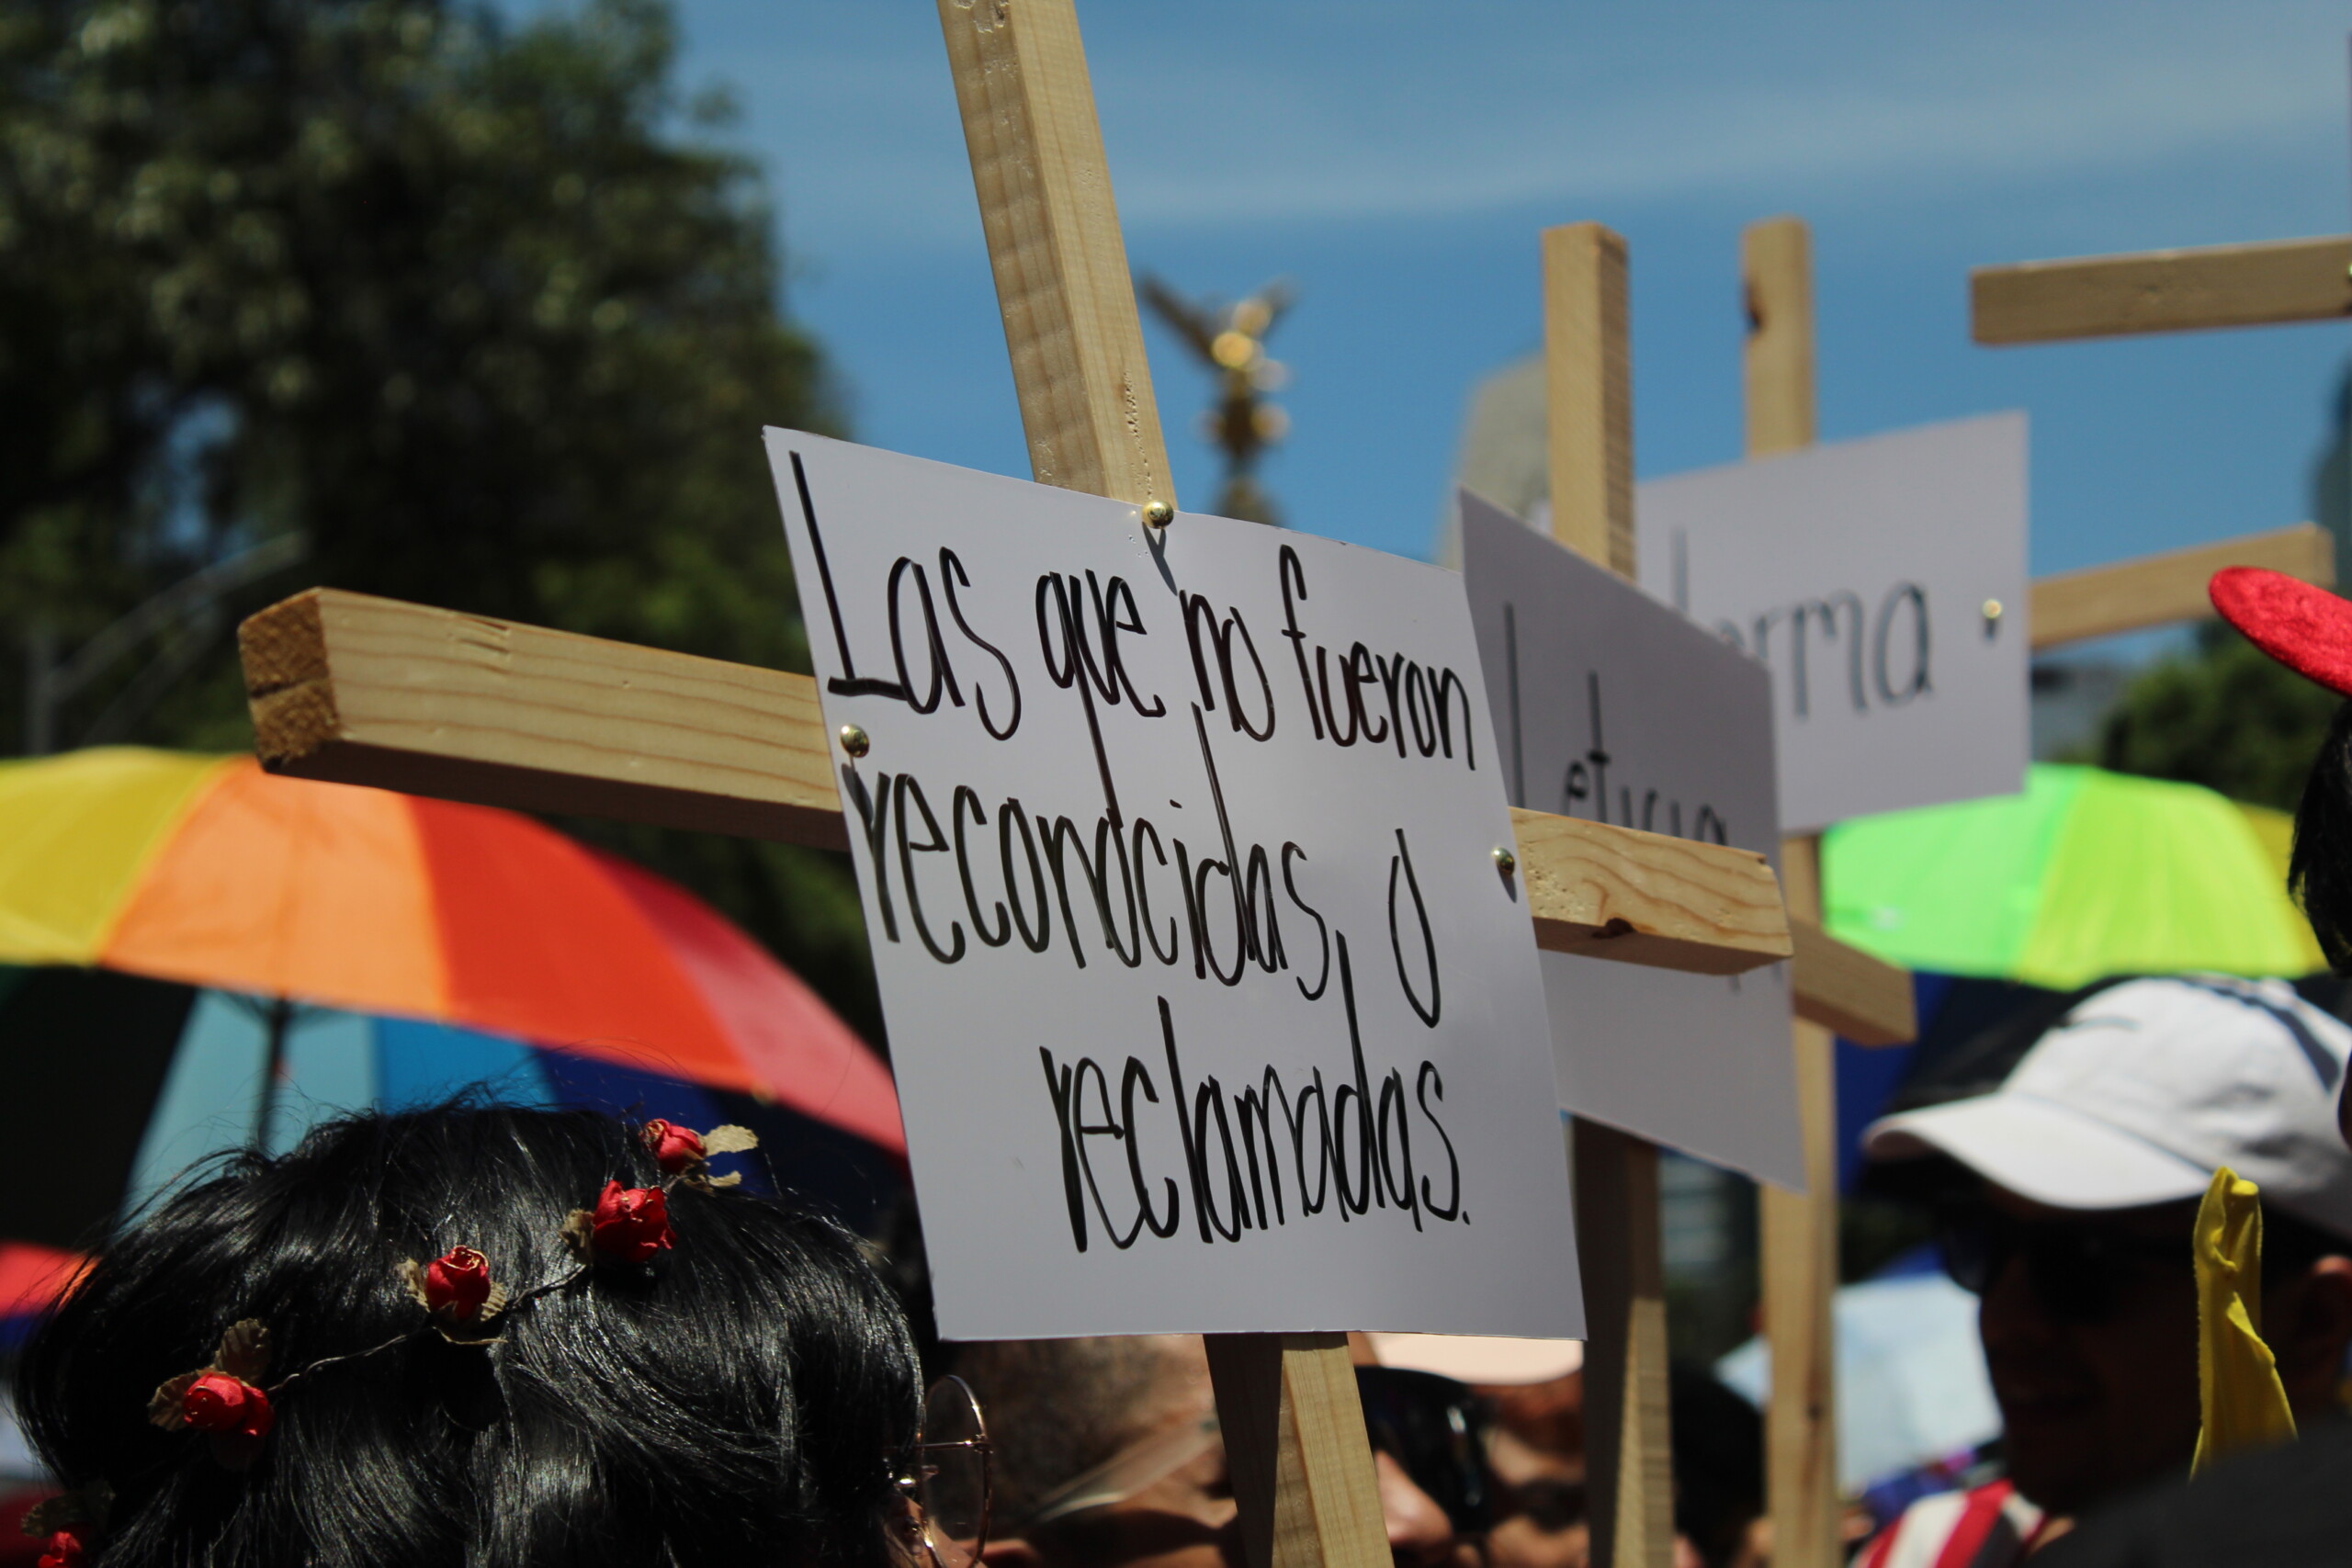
483,310
2224,715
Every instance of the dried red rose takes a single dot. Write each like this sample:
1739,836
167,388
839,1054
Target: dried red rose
631,1223
65,1549
458,1282
676,1149
230,1405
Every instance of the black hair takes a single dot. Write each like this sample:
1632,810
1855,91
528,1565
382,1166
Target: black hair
2319,872
739,1403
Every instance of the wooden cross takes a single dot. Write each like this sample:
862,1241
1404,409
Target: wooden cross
2165,291
1800,1231
352,689
1589,440
2175,291
1629,1460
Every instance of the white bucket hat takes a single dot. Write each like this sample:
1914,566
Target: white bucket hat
2139,1092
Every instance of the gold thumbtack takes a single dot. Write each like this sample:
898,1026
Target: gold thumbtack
1159,514
855,741
1991,609
1505,862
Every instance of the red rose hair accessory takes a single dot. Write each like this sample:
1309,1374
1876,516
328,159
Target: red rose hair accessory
2307,630
629,1224
223,1400
67,1523
457,1289
685,1154
227,1401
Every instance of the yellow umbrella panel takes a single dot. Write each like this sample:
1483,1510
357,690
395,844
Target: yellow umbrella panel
2085,875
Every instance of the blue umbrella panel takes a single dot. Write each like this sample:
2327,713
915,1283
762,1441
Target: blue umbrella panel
127,1086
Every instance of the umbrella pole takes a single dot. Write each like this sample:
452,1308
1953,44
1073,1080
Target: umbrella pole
281,1015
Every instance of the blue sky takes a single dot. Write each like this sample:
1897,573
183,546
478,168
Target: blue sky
1398,160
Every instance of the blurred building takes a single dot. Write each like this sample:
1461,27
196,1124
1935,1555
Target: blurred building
1503,456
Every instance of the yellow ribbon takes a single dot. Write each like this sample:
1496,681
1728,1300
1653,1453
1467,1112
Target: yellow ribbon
2245,1404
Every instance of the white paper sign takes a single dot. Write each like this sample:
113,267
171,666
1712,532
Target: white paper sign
1612,708
1210,1008
1862,573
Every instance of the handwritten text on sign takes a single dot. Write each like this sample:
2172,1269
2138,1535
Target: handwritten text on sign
1209,1006
1883,581
1612,708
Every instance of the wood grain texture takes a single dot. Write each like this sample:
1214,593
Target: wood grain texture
1607,892
1070,320
1799,1279
1848,991
1800,1234
1800,1287
1588,377
1629,1454
1628,1434
2162,291
2155,590
358,690
1282,1398
1776,264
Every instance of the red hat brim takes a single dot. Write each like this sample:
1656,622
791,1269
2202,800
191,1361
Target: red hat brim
2307,630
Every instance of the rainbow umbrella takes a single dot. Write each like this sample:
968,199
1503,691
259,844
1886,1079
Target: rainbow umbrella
222,957
2086,874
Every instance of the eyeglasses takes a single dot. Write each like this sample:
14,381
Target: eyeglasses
947,1477
1436,1430
2078,1270
1549,1503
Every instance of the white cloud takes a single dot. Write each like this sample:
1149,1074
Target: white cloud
1240,113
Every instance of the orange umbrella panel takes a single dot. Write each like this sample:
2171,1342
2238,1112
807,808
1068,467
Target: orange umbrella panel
208,872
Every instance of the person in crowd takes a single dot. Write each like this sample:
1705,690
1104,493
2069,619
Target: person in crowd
2064,1198
505,1337
1107,1454
1525,1414
2293,1506
2309,630
1528,1413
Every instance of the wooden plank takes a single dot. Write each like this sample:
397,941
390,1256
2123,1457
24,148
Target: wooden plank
1800,1277
1299,1389
1606,891
358,690
1800,1234
1628,1449
1856,995
1629,1458
1588,382
1293,1427
2162,291
1776,257
1070,320
1848,991
2155,590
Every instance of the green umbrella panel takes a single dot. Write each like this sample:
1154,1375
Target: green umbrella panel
2085,875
